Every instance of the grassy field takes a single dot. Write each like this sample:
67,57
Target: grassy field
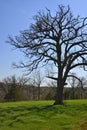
42,115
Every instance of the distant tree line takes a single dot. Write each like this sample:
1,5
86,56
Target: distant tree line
16,89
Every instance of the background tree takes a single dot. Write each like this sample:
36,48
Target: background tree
81,87
52,88
13,89
36,81
60,39
3,90
74,82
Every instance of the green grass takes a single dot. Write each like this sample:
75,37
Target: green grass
42,115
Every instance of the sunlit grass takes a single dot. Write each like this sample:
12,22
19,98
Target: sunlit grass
43,115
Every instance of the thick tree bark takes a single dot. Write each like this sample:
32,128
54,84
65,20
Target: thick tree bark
59,93
60,85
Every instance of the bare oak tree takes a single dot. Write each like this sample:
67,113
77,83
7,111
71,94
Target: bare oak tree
60,39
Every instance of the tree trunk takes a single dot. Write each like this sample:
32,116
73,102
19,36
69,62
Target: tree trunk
39,92
59,93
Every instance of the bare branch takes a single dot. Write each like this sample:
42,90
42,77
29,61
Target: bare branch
76,78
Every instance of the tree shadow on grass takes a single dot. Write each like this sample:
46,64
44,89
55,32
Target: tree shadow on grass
17,114
44,111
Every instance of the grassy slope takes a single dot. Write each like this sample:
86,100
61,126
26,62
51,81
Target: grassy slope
42,115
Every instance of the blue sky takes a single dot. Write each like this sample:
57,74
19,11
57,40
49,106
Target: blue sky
16,15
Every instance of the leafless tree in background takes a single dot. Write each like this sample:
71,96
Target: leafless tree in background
14,87
36,81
